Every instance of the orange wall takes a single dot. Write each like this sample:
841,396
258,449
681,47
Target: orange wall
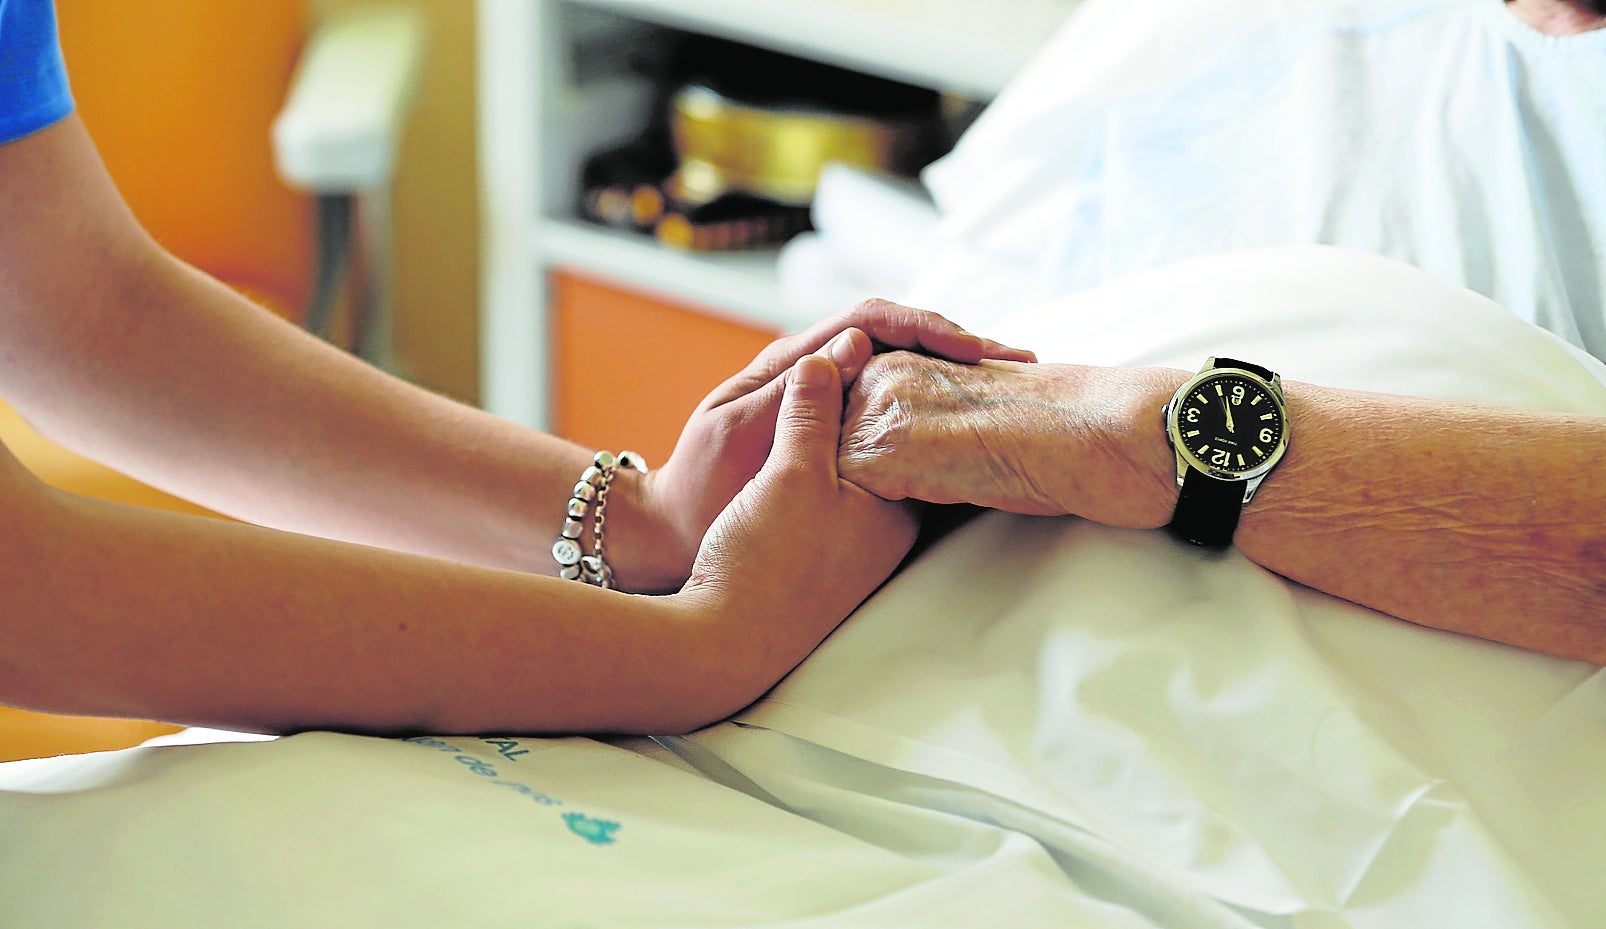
179,96
186,184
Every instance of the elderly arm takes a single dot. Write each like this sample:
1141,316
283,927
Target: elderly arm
1484,520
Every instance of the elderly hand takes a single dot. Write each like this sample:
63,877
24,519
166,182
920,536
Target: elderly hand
728,436
1028,438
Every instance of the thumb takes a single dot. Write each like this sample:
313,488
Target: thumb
810,420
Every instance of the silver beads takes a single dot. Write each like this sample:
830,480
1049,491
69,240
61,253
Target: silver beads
566,552
591,493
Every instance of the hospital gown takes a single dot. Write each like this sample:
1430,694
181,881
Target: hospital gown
1445,133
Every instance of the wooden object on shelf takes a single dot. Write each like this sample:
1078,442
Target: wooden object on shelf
636,188
730,223
628,369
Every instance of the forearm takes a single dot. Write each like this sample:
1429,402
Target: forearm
123,353
113,610
192,391
110,609
1482,520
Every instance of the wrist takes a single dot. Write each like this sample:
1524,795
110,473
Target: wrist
608,522
707,685
1139,443
646,552
1101,452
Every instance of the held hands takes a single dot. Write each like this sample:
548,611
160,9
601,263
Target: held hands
729,435
799,547
1036,439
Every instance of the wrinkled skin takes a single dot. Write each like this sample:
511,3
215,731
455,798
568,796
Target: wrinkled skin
1027,438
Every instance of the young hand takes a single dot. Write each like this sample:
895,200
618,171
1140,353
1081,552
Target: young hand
798,548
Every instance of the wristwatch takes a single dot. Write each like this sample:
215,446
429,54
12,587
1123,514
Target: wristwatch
1229,429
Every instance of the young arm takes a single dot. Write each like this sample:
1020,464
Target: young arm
117,610
120,351
1478,519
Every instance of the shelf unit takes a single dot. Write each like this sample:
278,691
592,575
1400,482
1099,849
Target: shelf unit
553,87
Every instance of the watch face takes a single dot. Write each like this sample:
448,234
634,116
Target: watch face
1230,425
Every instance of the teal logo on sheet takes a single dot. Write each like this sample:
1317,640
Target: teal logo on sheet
595,831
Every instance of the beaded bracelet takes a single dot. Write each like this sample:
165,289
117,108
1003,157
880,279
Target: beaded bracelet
592,488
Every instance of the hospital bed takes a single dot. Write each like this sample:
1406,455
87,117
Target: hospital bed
1025,727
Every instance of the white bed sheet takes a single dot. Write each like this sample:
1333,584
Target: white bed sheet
1290,757
1028,727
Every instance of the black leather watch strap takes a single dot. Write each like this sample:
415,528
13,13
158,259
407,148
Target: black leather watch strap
1265,374
1207,510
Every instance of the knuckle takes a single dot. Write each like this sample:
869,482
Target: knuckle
870,307
888,321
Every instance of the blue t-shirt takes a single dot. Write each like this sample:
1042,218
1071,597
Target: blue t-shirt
33,79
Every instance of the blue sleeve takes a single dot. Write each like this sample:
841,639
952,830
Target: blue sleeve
33,79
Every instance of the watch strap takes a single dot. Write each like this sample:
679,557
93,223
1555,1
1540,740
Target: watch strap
1207,510
1262,372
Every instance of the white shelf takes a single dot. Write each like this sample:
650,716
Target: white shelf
956,45
537,121
738,285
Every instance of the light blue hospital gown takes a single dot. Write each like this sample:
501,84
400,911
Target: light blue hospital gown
1445,133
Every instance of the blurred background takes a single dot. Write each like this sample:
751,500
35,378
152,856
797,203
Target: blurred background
181,96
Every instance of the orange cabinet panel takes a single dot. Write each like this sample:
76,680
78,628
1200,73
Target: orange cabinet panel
628,368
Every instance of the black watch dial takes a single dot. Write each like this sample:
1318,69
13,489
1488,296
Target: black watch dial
1230,424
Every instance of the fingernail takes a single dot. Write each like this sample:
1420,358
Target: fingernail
809,373
841,349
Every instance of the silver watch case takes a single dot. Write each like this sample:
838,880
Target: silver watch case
1188,461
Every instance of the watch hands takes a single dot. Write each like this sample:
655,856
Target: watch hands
1228,407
